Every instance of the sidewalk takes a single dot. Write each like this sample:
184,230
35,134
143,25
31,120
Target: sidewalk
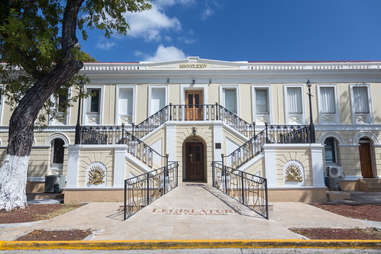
190,212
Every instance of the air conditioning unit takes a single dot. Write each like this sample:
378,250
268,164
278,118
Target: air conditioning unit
334,171
54,183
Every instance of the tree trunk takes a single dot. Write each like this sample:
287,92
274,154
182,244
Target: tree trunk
20,136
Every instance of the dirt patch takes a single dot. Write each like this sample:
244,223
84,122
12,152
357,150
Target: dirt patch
368,212
35,213
340,233
58,235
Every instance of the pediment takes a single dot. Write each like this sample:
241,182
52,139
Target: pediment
193,63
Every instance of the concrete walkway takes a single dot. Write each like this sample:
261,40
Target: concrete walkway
189,212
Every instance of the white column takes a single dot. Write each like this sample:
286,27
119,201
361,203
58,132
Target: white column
270,166
72,166
171,141
119,173
317,165
217,138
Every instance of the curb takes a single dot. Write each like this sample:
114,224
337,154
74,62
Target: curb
189,244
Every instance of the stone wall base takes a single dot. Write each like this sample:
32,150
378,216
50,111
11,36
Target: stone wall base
77,196
298,195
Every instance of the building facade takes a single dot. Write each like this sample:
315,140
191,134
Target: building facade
254,116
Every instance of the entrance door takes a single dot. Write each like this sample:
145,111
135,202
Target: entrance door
194,161
366,158
193,105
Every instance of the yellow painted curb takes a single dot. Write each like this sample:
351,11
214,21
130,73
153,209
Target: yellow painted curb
188,244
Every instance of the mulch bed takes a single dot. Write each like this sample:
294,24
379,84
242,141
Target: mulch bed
339,233
58,235
35,213
368,212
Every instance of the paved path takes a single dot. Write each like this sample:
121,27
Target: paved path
189,212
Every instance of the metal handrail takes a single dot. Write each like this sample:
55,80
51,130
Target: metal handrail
142,190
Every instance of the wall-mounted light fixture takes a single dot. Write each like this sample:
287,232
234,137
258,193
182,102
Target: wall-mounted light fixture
193,81
194,131
210,81
167,80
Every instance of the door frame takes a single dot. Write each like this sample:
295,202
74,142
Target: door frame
194,139
203,87
196,112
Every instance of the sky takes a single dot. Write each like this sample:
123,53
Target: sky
246,30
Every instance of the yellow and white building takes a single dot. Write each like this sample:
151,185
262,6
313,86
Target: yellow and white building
196,110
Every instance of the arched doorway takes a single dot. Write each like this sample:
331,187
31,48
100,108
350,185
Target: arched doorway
194,159
365,150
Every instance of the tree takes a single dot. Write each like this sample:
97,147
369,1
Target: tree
39,44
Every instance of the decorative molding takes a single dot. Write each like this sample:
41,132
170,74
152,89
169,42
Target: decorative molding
96,175
329,134
62,136
293,172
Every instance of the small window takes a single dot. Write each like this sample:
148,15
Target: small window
58,151
94,100
330,147
261,101
231,99
327,100
294,95
360,99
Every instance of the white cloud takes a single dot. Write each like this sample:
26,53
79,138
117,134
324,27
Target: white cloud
173,2
105,45
149,24
207,13
163,53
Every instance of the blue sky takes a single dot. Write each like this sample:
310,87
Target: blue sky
252,30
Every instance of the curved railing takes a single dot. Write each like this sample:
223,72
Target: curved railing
248,189
119,135
142,190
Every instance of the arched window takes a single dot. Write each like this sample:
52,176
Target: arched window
330,148
57,152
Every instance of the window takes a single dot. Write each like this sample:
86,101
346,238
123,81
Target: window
360,99
231,99
58,151
93,106
158,100
330,146
125,104
327,100
261,101
294,95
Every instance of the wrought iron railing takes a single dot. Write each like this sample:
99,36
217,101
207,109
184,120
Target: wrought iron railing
248,189
119,135
271,134
289,134
197,112
142,190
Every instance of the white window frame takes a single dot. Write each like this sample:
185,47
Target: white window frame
286,103
222,95
371,117
67,121
119,86
150,96
86,101
269,98
336,97
190,87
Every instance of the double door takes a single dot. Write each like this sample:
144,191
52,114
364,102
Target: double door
193,105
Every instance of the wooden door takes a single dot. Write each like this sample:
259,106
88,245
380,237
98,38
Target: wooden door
194,161
366,159
193,105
